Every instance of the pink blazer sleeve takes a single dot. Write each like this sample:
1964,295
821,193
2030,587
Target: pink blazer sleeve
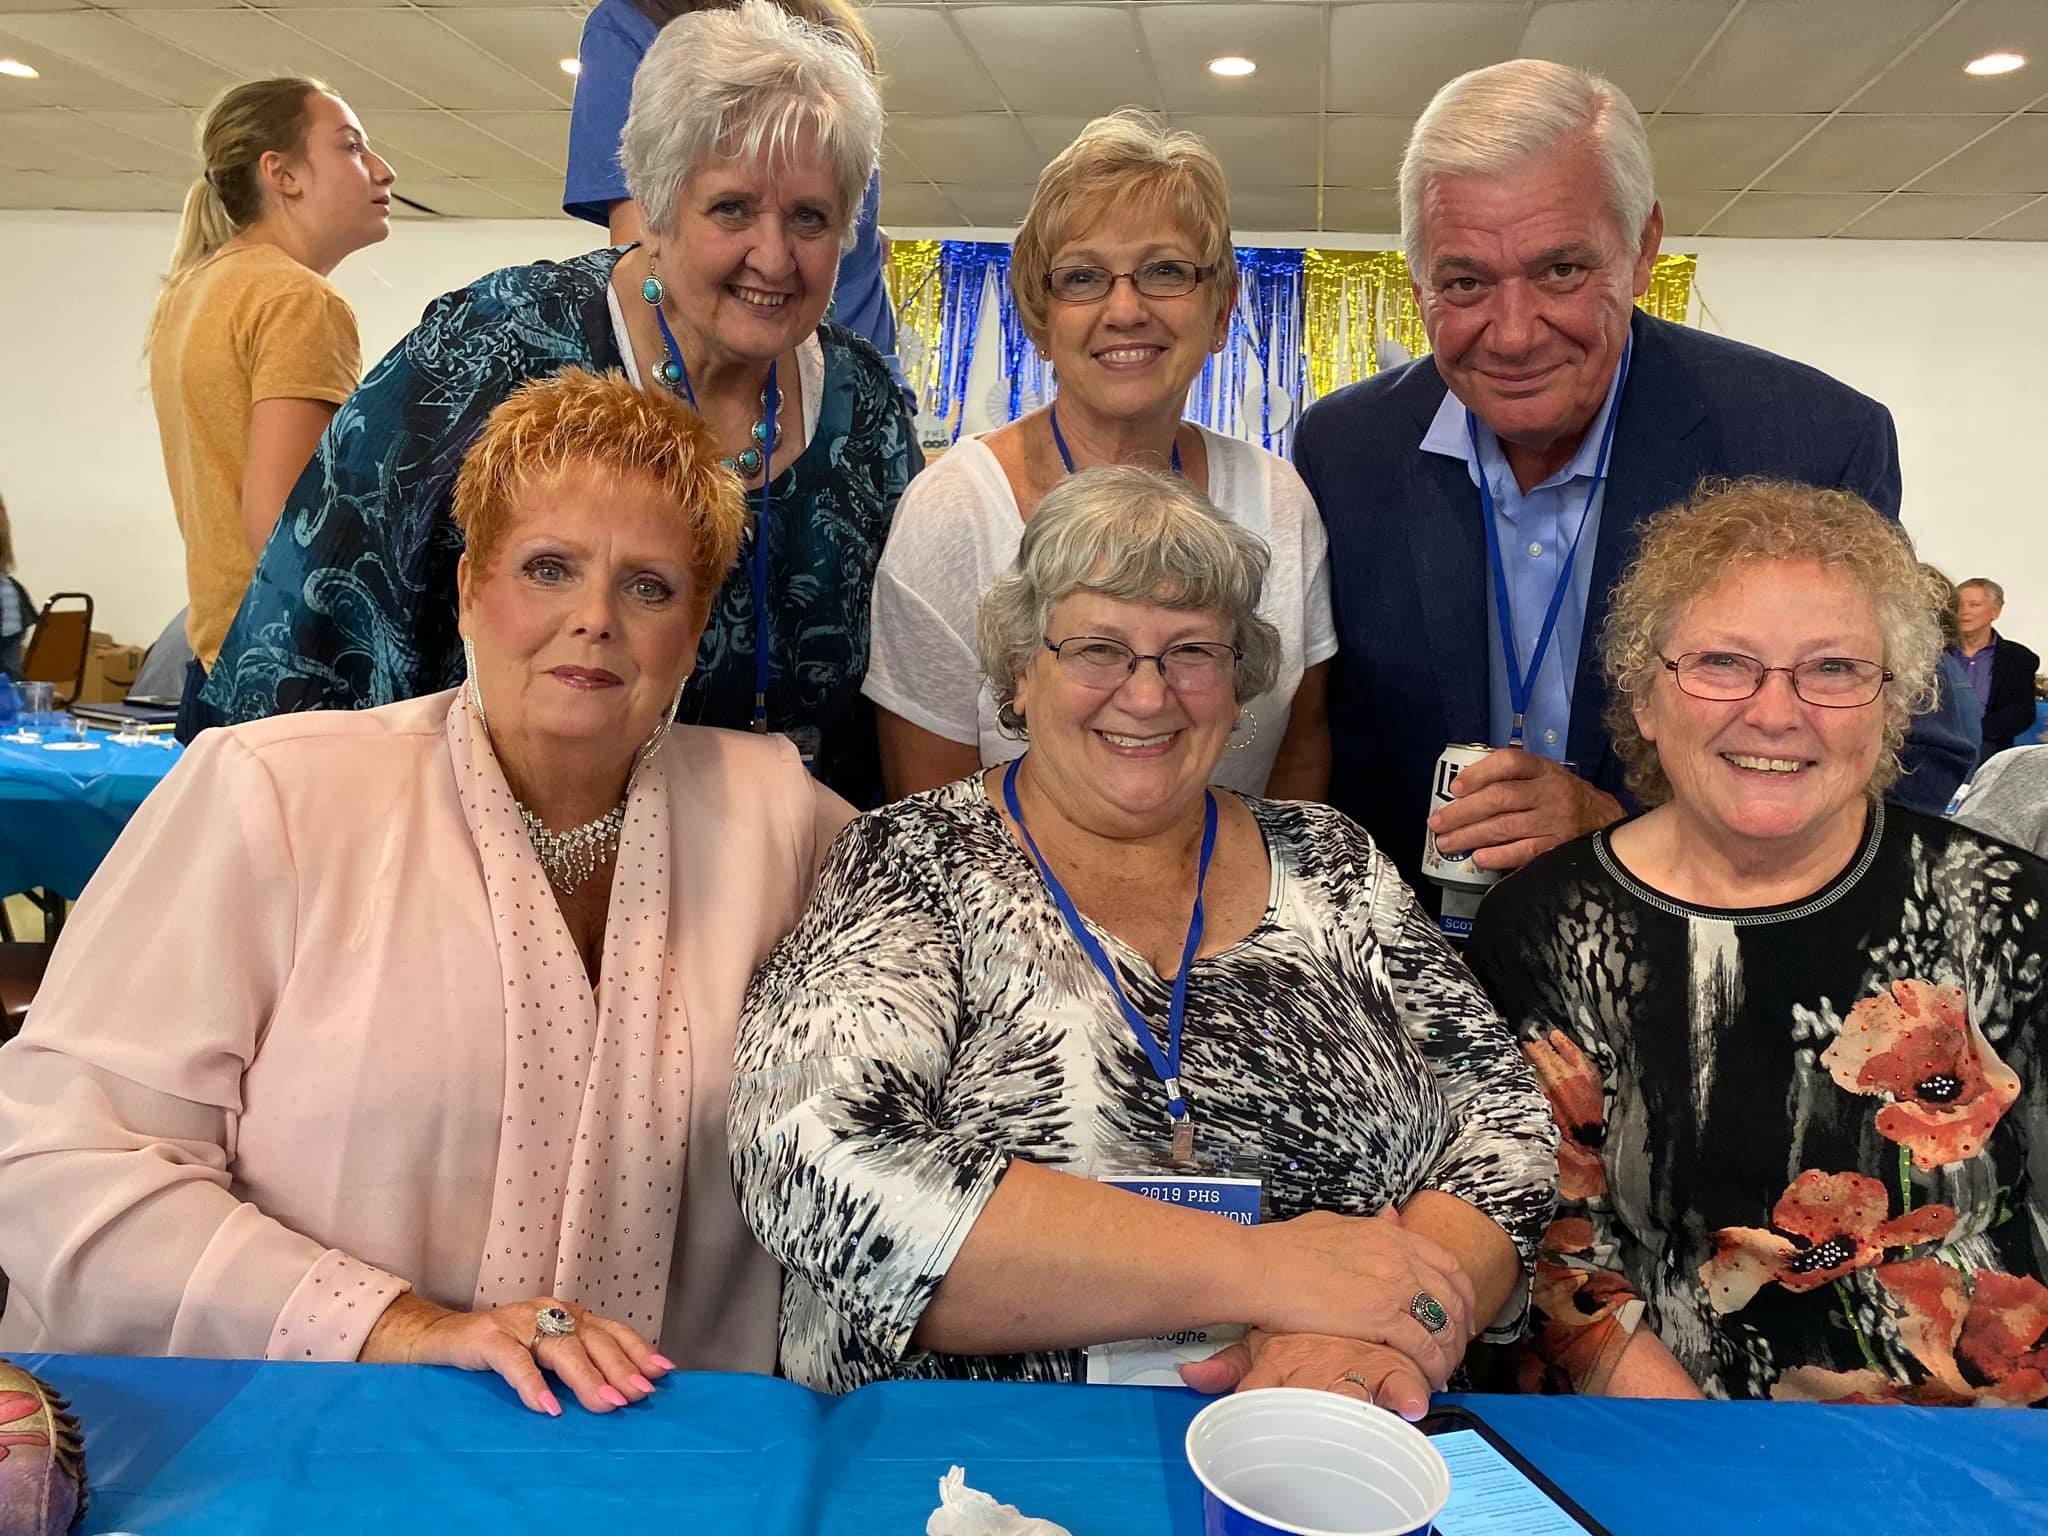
119,1101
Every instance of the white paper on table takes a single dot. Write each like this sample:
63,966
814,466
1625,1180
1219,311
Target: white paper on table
965,1511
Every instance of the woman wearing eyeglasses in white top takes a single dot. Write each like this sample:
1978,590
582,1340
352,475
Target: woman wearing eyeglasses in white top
1125,278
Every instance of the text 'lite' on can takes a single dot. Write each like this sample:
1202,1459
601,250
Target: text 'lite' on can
1452,761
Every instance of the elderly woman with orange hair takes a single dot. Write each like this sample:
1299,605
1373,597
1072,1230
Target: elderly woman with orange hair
388,979
1791,1033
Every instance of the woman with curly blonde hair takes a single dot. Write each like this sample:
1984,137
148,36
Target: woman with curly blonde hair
1790,1032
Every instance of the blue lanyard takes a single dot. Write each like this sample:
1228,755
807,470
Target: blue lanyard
1165,1064
1067,458
757,564
1521,685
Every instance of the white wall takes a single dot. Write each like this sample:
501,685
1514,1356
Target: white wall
1952,336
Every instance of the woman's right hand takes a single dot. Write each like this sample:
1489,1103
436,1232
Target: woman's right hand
605,1363
1355,1277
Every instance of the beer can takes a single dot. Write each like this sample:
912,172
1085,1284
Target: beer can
1453,760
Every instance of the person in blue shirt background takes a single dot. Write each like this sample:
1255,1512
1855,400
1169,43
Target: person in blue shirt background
616,36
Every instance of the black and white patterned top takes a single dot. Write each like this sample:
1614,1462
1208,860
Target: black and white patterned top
930,1019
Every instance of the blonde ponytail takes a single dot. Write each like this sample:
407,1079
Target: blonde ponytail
244,124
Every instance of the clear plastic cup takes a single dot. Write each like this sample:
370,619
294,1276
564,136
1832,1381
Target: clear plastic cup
38,705
1283,1461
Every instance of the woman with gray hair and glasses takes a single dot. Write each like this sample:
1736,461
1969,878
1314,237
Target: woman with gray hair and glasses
1024,1001
1791,1033
748,146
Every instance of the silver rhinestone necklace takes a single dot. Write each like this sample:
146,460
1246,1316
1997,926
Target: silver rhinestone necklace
571,857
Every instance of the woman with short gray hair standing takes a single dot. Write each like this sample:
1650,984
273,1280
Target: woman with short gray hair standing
751,139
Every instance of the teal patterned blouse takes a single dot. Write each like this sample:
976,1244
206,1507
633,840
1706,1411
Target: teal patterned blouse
353,601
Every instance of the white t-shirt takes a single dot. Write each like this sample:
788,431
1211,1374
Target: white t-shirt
957,529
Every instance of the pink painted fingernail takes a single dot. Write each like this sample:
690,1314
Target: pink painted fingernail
643,1383
612,1395
547,1401
663,1361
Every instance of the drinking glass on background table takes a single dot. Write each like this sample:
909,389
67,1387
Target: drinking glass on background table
38,706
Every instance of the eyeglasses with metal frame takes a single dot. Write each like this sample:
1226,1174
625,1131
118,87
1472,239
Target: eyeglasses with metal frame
1166,279
1728,677
1097,661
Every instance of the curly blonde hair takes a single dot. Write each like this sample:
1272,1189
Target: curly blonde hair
1689,549
582,422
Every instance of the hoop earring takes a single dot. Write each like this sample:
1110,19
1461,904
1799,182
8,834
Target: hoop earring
651,291
1012,725
1244,716
476,697
653,743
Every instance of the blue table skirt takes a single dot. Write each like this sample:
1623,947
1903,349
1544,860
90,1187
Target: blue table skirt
60,812
184,1447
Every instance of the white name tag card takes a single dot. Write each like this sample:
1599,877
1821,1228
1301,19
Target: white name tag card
1155,1362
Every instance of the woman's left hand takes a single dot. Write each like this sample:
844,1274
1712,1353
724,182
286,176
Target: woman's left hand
1318,1361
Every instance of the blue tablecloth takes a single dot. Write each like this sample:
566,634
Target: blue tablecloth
2038,731
60,811
185,1447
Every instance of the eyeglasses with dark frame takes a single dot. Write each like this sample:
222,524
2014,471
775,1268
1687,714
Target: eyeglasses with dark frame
1728,677
1097,661
1167,279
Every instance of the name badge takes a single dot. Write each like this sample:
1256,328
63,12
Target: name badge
1155,1362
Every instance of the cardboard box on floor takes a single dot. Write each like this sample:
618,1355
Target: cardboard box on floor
110,670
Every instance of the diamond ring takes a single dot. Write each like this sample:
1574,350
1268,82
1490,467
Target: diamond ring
551,1323
1429,1312
1352,1378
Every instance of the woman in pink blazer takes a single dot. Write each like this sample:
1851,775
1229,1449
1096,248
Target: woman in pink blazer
407,1034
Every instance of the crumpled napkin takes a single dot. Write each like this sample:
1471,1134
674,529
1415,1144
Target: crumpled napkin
965,1511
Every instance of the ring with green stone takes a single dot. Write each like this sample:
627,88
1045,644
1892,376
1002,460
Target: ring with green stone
1429,1312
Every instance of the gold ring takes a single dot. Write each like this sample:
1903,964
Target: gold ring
1356,1380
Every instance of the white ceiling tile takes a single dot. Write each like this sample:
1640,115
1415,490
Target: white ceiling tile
1287,42
1271,208
117,194
2013,159
252,45
1255,148
1362,210
416,53
991,203
1802,55
1931,78
1392,57
41,5
540,198
1052,133
1644,49
926,67
1855,153
139,69
1789,215
443,144
1930,216
1069,58
533,42
2030,223
1364,151
169,131
29,139
460,199
1699,150
986,146
544,136
1686,212
918,205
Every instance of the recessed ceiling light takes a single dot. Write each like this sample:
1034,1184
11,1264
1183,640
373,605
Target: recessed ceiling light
19,70
1232,65
1995,64
572,66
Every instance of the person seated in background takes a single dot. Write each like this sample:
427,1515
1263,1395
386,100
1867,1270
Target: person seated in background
293,1087
17,608
2001,670
250,347
998,992
750,138
1126,280
1951,732
1490,493
1792,1034
616,36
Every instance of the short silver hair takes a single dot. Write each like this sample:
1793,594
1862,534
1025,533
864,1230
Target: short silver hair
1139,536
1988,587
1495,120
746,84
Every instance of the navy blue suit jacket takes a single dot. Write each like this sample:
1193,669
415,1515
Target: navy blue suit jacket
1408,578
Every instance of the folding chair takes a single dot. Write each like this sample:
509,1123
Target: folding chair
57,650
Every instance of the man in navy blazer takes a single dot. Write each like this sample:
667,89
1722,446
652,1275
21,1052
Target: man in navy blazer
1531,227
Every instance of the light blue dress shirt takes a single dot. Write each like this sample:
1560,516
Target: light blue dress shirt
1536,531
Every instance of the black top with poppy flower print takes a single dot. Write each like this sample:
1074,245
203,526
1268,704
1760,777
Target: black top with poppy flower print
1807,1144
